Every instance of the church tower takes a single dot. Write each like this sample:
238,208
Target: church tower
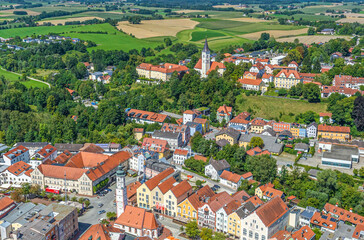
121,198
206,60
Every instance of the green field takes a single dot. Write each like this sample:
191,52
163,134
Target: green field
113,40
201,35
14,77
307,17
272,108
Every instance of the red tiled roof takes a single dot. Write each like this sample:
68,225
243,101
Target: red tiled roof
359,230
271,192
326,115
153,182
293,62
215,66
318,220
63,157
256,201
267,76
151,116
188,112
181,152
340,89
138,130
249,73
17,151
341,80
167,184
304,233
287,73
92,148
344,215
219,200
86,160
70,91
224,109
291,198
247,175
203,193
46,151
281,235
131,189
271,211
254,151
99,232
29,172
137,218
157,145
5,202
200,158
18,168
242,118
200,120
181,188
258,122
247,81
338,129
309,75
229,176
164,68
53,171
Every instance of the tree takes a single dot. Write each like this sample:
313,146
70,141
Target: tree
264,36
317,232
361,172
219,236
16,196
358,113
192,230
51,104
256,142
168,42
312,92
111,216
311,31
264,167
327,181
355,172
206,234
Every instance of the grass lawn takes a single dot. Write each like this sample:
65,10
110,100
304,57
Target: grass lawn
280,108
13,78
201,35
111,41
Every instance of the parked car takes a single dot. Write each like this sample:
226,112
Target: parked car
216,186
101,205
101,212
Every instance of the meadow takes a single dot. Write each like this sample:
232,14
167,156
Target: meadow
277,108
12,77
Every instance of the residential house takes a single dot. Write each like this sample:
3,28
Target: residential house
142,117
162,72
215,168
174,139
287,79
302,147
207,212
270,143
49,152
358,232
293,65
154,167
250,75
175,196
16,174
229,134
224,113
71,148
306,215
157,145
348,81
343,215
323,222
140,156
298,132
257,151
101,232
195,127
277,60
334,132
138,222
15,155
336,55
247,176
230,179
188,208
264,222
257,125
33,147
269,132
267,78
235,217
281,126
328,31
183,129
180,156
240,122
270,193
257,68
311,130
249,84
328,90
138,133
259,191
326,118
6,205
159,192
222,215
96,76
204,123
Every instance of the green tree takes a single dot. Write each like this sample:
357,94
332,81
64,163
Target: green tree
311,31
206,234
192,230
168,42
51,104
256,142
264,167
317,232
361,172
312,92
111,216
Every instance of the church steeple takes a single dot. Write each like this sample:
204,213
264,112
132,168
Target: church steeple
121,197
206,47
206,60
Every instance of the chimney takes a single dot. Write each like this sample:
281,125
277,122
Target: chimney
351,210
337,204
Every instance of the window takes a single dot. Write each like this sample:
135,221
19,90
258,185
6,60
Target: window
263,237
250,234
256,236
244,231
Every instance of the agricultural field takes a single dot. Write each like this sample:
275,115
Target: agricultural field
311,39
12,77
156,28
280,108
63,21
276,33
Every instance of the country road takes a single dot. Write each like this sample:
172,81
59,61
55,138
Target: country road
34,79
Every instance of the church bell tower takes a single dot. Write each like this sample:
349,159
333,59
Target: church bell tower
206,60
121,197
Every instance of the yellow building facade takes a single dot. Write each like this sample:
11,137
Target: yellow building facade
234,225
334,135
259,192
144,197
186,210
295,132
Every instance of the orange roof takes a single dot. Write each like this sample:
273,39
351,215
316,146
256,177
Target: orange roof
304,233
291,197
319,220
156,145
54,171
266,76
293,62
137,218
241,196
288,72
181,152
86,160
256,201
281,235
131,189
199,64
145,115
29,172
200,120
339,129
70,91
271,211
247,175
18,168
229,176
219,200
215,66
163,68
232,206
45,152
247,81
138,130
188,112
344,215
203,193
271,192
5,202
225,110
326,115
181,188
358,231
200,158
63,157
257,151
241,118
250,73
258,122
153,182
19,150
167,184
100,232
92,148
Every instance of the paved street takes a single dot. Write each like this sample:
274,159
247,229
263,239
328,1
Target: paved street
174,227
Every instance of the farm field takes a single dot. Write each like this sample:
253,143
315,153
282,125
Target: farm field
110,41
308,17
9,12
14,77
272,108
311,39
155,28
275,33
63,21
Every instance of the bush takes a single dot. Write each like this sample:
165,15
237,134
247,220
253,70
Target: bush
20,13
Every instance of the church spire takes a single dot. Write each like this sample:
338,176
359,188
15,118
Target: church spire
206,47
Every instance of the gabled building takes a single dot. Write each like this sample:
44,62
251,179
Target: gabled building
49,152
257,125
162,72
101,232
287,79
157,145
6,205
326,118
15,155
175,196
323,222
241,122
264,222
16,174
344,215
311,130
174,139
183,129
142,117
348,81
257,151
334,132
215,168
235,217
229,134
270,193
230,179
180,156
222,215
249,84
224,112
